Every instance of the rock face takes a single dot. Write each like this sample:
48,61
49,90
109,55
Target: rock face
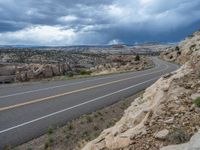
24,72
164,115
35,71
7,69
183,52
7,73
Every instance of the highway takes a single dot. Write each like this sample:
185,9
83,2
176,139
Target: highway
28,110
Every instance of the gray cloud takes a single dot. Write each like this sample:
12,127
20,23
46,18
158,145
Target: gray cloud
96,22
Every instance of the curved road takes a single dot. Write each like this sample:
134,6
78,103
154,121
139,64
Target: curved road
27,111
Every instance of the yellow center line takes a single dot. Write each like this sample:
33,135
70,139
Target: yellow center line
62,94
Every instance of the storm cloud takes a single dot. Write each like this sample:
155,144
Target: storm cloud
75,22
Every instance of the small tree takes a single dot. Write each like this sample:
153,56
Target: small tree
137,58
177,48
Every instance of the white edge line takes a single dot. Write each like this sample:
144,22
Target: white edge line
65,85
75,106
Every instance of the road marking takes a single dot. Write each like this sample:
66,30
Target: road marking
64,85
75,106
71,92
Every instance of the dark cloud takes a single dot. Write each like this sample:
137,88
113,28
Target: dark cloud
96,21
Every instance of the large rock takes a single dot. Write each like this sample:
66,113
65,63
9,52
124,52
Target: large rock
7,69
7,79
7,73
161,135
47,71
35,71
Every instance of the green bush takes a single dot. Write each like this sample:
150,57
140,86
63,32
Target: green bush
49,143
177,48
137,58
89,119
197,102
6,147
70,126
50,130
70,74
84,72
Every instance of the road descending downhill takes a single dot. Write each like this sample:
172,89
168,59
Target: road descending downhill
28,110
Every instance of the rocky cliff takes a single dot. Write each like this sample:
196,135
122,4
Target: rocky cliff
183,52
168,113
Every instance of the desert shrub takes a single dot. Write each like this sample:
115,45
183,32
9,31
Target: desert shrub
50,130
84,72
192,46
70,74
99,113
89,119
85,134
178,136
48,143
137,58
51,141
190,36
197,102
70,126
6,147
96,128
177,48
123,63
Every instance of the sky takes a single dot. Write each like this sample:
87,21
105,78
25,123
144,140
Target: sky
96,22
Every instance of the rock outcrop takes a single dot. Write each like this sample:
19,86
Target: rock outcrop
34,71
120,63
24,72
183,52
7,73
165,114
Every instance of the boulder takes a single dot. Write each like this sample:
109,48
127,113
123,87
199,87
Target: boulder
47,71
161,135
7,69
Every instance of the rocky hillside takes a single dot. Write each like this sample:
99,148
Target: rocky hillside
183,52
167,114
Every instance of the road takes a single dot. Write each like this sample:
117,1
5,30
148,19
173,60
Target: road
28,110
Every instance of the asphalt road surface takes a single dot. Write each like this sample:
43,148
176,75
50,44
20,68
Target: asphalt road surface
28,110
